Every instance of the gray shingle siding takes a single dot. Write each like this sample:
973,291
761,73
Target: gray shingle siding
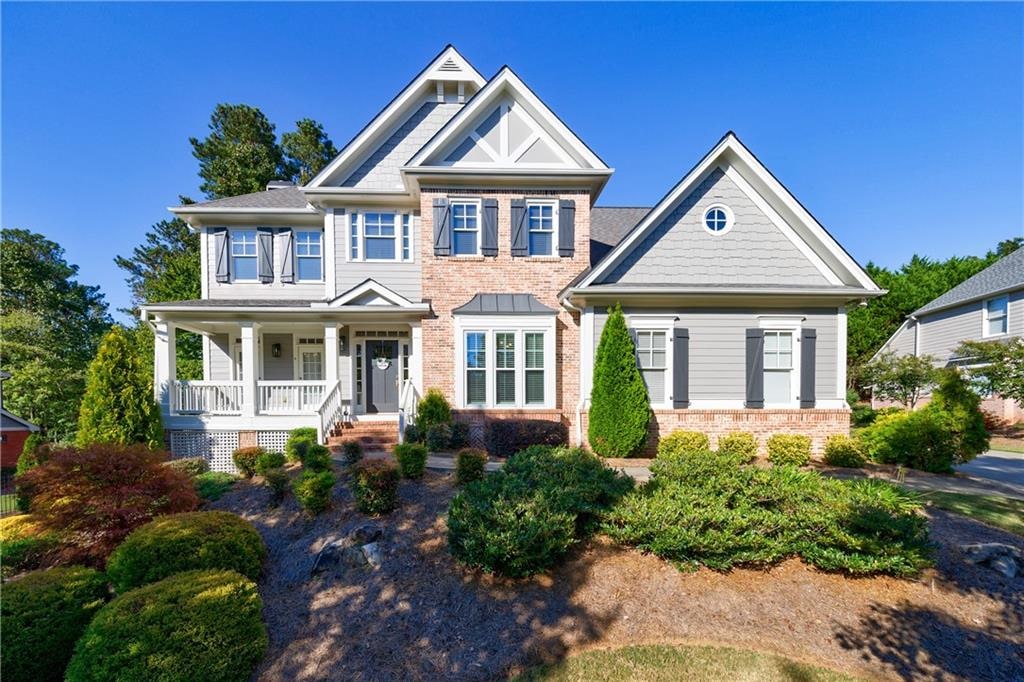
402,278
680,250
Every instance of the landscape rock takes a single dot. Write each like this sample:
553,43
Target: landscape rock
365,534
374,555
353,557
1005,565
1005,559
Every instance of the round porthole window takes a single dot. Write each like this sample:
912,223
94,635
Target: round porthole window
718,219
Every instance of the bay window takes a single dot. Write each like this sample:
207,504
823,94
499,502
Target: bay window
476,368
507,364
243,255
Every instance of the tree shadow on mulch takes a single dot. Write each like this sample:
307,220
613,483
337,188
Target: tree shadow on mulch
916,642
420,616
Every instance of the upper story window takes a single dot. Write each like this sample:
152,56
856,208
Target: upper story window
243,255
540,217
380,236
309,256
718,219
996,314
465,227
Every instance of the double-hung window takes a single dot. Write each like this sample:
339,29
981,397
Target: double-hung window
465,217
534,343
476,369
652,359
503,367
996,316
778,367
540,219
309,256
243,255
380,236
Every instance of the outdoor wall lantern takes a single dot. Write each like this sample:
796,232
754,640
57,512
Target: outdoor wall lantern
343,344
275,350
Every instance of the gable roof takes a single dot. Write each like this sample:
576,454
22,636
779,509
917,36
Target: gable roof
772,196
368,286
1005,274
28,426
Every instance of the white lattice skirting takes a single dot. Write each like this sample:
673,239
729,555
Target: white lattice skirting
213,446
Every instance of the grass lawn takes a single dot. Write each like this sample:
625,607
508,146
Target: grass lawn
213,484
1002,512
706,663
1006,444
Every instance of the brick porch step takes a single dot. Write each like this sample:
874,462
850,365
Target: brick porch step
372,435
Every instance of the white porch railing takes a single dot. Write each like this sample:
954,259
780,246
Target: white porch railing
290,397
408,401
206,397
330,411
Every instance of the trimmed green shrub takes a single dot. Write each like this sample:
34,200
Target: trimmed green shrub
211,485
201,626
413,434
186,542
193,466
789,449
277,480
519,521
245,460
505,437
318,458
470,465
351,452
919,440
739,443
313,490
298,440
683,442
24,543
862,414
438,437
843,451
460,435
620,409
375,486
433,409
412,459
962,406
268,461
692,512
42,615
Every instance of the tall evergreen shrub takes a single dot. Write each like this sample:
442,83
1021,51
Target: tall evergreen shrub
620,409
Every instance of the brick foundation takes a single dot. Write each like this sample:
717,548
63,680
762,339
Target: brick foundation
477,421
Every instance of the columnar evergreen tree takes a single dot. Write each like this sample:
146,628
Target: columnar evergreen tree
118,405
620,409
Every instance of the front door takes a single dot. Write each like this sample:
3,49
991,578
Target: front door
382,376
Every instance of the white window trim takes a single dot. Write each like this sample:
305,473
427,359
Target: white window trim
323,260
1005,298
359,215
479,225
794,325
520,325
553,203
659,323
255,257
730,219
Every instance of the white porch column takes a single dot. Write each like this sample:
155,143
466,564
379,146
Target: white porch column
249,368
331,354
416,355
164,368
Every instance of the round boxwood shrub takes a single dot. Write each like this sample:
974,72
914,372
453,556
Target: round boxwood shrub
789,449
277,480
740,444
199,626
438,437
469,465
298,440
268,461
42,615
843,451
683,442
375,486
412,459
185,542
245,460
313,490
317,457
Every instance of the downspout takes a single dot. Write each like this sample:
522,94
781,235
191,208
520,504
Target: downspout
581,402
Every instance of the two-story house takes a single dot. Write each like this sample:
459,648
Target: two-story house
455,243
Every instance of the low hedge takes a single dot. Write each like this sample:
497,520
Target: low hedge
843,451
739,443
470,465
268,461
245,460
683,442
298,440
185,542
789,449
375,486
412,459
42,615
201,626
24,543
193,466
313,490
505,437
460,435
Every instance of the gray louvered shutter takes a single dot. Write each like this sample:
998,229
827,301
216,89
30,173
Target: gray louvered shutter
489,243
566,228
265,254
288,264
755,368
519,236
681,368
442,228
808,350
221,246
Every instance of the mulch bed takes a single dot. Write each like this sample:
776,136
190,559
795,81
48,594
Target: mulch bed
423,617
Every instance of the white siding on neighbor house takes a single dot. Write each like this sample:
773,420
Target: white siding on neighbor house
402,278
255,290
718,347
943,331
680,251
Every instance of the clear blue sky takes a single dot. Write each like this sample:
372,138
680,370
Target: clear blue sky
898,125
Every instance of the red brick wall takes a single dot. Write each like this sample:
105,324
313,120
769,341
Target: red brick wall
10,448
449,282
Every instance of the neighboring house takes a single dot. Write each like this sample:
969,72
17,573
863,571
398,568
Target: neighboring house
454,243
13,432
986,307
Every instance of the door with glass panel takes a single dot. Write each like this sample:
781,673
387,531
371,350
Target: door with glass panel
311,368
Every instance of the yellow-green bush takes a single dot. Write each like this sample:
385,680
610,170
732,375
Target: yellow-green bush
682,442
843,451
789,449
412,459
24,543
739,443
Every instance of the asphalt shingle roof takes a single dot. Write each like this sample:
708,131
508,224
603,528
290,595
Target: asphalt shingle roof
237,302
1006,273
285,197
608,225
503,304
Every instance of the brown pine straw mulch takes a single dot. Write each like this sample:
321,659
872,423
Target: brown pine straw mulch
423,617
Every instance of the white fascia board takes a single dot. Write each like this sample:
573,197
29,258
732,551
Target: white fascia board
612,290
881,349
258,310
335,197
216,217
188,210
396,109
368,286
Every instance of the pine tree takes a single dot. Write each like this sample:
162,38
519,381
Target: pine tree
620,410
118,405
